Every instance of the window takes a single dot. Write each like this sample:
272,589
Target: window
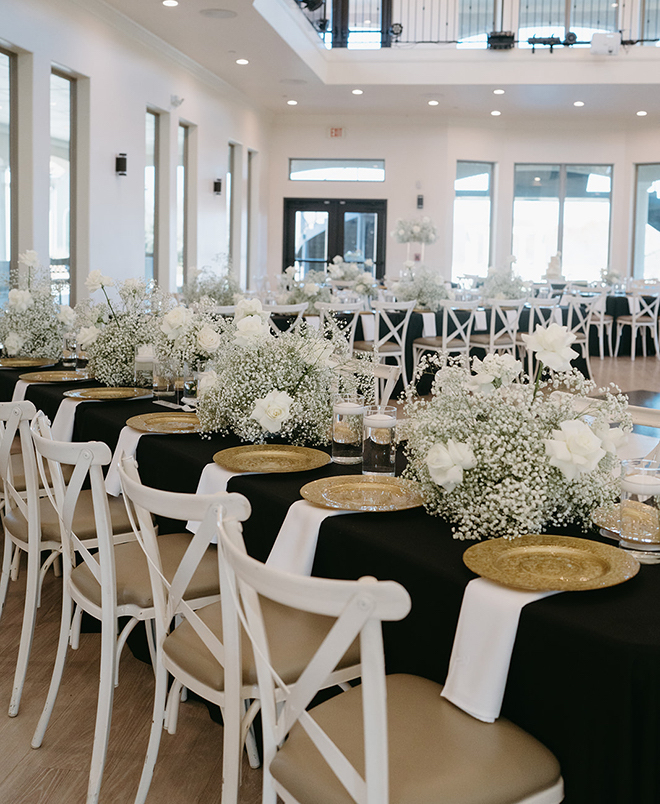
62,110
476,19
5,174
651,20
151,196
545,18
230,198
251,212
182,205
646,257
566,209
337,169
472,218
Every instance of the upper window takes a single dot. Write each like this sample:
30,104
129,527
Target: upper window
472,218
182,205
337,169
62,97
150,195
646,262
562,209
5,175
546,18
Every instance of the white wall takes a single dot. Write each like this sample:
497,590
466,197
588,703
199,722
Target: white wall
420,157
123,69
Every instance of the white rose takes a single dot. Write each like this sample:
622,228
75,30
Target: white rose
493,371
272,411
316,351
335,271
29,258
416,229
248,307
206,380
612,438
13,343
290,271
20,300
552,345
338,259
249,330
87,336
132,285
574,449
96,280
446,463
310,289
175,322
67,316
368,263
208,339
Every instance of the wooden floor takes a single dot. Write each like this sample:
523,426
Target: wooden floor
189,765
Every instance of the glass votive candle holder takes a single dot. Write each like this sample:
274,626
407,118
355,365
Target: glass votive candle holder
379,444
347,424
640,507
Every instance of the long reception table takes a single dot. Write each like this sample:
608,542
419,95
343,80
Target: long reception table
585,667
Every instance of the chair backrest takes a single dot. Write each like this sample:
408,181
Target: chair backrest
461,316
292,311
504,322
359,608
392,331
580,311
15,419
644,305
342,315
540,312
143,501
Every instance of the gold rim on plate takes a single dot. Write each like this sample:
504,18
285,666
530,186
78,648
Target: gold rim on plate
544,563
640,518
363,493
26,362
177,422
108,393
55,376
268,458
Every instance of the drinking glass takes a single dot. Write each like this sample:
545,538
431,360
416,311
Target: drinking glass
347,416
640,503
379,445
144,365
164,381
70,352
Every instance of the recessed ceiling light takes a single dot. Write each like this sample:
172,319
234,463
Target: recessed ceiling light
242,61
170,3
357,92
292,103
367,22
615,5
218,13
433,103
642,114
498,92
578,103
537,178
495,113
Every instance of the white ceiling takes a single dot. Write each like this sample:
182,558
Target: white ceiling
276,73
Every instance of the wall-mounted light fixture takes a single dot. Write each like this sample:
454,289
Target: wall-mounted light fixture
120,164
217,187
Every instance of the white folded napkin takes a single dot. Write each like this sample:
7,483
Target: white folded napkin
213,479
637,446
62,427
557,316
480,320
19,391
313,321
368,326
295,545
633,305
127,445
428,325
484,640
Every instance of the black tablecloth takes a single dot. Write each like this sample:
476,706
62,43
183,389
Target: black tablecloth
585,668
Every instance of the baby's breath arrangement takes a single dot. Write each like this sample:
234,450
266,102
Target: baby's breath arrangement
420,283
261,386
311,289
32,324
503,283
416,230
110,331
189,335
220,285
498,454
341,271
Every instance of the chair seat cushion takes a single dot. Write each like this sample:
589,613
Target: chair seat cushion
436,343
368,346
437,752
132,572
294,637
641,319
83,520
604,319
484,338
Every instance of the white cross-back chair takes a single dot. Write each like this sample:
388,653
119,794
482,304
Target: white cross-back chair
541,313
603,322
389,334
202,652
391,739
578,322
343,315
109,584
385,377
643,318
503,327
457,323
292,312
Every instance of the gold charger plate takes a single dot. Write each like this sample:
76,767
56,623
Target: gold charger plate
550,563
175,422
108,393
271,458
55,376
608,519
26,362
363,493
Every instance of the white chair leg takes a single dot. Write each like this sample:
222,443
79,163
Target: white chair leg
618,339
27,631
5,573
642,331
160,696
601,341
610,332
172,707
58,669
103,710
16,563
74,639
654,332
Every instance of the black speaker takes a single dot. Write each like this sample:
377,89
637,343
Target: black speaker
120,164
217,186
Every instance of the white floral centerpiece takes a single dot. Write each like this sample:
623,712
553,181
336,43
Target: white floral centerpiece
189,336
33,324
260,386
109,332
341,271
221,286
415,230
503,283
500,455
422,284
311,288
